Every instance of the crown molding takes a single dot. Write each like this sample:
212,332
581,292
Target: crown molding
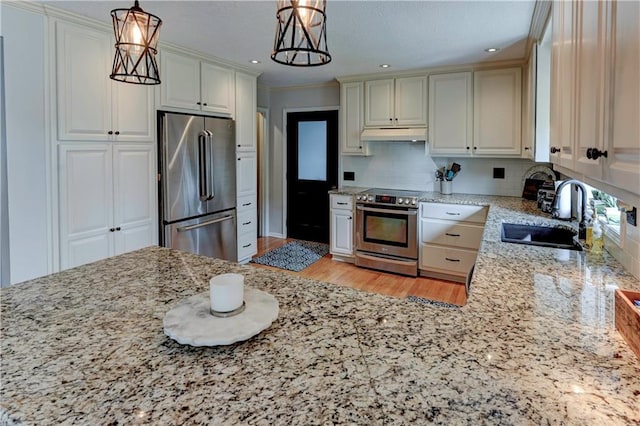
539,20
324,85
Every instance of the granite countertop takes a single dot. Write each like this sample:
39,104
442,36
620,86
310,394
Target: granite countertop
535,344
348,190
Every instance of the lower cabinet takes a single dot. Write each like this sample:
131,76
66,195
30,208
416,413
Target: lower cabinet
247,205
342,217
107,200
450,236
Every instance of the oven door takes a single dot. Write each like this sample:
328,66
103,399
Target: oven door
388,231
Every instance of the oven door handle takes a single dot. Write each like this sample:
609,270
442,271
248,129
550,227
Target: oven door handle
400,212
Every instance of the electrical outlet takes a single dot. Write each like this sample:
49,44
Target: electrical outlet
498,172
349,176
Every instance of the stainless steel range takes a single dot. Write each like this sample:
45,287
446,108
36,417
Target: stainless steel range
387,230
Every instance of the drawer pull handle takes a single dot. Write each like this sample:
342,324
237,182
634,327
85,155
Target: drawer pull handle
452,235
246,223
452,260
246,204
342,204
453,214
247,245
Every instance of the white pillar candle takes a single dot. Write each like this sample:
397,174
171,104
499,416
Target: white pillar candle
226,292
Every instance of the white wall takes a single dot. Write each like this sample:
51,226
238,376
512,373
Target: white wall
280,99
24,35
403,165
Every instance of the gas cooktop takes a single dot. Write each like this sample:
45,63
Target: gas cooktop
392,197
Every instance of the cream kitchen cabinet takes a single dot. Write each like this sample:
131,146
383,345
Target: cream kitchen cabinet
450,113
91,106
341,224
246,112
352,118
193,84
106,200
562,84
246,208
450,236
396,102
497,106
595,109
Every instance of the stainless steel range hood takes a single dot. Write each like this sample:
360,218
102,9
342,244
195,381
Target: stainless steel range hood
395,134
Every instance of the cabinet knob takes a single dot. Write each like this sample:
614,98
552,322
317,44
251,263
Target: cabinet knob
117,132
198,103
596,153
526,148
204,104
390,119
475,147
112,229
110,132
554,149
118,228
350,218
467,147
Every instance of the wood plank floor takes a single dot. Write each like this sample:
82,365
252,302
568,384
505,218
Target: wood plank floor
349,275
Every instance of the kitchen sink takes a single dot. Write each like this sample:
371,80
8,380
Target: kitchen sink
534,235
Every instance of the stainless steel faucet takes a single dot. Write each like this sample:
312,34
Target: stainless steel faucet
555,207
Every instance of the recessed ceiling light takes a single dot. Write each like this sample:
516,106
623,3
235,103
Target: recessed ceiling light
385,66
254,61
491,49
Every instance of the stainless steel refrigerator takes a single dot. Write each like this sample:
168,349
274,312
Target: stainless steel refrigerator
197,184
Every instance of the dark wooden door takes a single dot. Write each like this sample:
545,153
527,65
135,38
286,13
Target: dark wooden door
312,170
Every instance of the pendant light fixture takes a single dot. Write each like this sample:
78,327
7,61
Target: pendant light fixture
136,34
301,35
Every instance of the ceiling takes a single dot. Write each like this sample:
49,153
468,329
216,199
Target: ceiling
361,34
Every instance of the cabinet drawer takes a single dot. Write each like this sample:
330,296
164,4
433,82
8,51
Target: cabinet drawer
443,259
342,202
247,202
462,212
247,222
450,233
247,245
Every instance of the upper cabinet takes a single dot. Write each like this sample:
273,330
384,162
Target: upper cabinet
351,118
451,113
192,84
476,114
396,102
595,130
90,106
246,112
497,103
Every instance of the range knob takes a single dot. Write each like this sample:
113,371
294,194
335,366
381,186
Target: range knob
407,201
413,201
370,198
399,200
358,197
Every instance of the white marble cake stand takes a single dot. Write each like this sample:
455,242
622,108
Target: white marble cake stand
191,323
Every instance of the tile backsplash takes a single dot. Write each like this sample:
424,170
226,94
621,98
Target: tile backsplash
404,165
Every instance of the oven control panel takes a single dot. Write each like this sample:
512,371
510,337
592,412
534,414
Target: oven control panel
387,200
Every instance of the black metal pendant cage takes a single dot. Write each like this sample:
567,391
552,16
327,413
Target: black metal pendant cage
136,33
301,35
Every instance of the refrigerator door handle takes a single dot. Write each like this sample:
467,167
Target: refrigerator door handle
211,188
207,223
202,167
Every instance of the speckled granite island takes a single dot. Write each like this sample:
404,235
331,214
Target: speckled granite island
535,344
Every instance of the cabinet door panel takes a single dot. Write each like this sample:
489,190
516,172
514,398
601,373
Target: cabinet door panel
217,92
352,117
450,113
246,174
133,111
411,101
83,85
379,103
134,196
180,76
342,232
497,112
86,201
246,112
623,162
